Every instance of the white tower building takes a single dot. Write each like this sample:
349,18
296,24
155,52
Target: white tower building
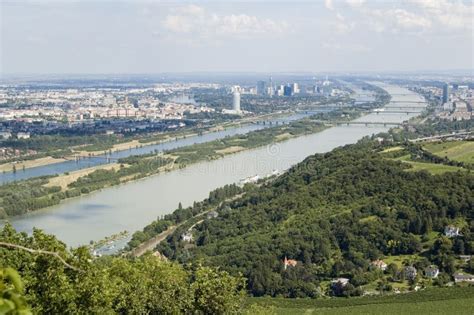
236,101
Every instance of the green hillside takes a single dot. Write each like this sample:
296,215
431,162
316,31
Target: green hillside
334,214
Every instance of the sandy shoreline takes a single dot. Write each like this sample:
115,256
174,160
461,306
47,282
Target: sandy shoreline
8,167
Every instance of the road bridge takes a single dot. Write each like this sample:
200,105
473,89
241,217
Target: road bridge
360,123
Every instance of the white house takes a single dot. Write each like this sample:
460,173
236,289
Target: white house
379,264
451,231
23,135
462,277
432,271
187,237
340,281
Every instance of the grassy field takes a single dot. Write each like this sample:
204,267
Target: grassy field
456,300
461,151
429,167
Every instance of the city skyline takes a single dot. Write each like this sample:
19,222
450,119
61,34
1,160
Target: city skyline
261,37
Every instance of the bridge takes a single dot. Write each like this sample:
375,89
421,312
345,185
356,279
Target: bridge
96,157
397,112
360,123
404,107
409,102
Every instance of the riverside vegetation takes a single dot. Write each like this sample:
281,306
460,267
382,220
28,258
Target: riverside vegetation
20,197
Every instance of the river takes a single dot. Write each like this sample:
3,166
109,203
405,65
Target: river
73,165
133,205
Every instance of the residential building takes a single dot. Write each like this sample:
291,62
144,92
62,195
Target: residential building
462,277
432,271
5,134
212,214
379,264
187,237
451,231
339,282
23,135
289,263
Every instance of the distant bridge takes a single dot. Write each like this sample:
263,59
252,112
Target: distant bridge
360,123
409,102
96,157
397,112
404,107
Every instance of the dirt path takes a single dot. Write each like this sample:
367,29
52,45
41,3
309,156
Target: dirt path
153,242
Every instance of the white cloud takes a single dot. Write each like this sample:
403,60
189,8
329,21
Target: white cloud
341,25
414,16
455,14
355,3
195,21
329,4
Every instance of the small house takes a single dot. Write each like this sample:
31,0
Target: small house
187,237
289,263
23,135
465,258
451,231
431,271
379,264
5,134
212,214
342,282
462,277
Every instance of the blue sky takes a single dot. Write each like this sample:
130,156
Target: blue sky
245,36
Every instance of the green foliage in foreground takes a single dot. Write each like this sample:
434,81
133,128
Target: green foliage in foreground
110,284
455,300
11,293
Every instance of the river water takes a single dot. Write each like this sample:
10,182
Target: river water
133,205
73,165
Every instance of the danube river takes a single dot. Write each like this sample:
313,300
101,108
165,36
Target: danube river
73,165
133,205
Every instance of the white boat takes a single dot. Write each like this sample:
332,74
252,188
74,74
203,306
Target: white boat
250,179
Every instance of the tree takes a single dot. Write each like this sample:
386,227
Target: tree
216,292
12,300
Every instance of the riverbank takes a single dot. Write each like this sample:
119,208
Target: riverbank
85,151
24,164
35,195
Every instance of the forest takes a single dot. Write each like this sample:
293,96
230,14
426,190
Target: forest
334,214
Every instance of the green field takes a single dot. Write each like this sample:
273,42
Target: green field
429,167
461,151
454,300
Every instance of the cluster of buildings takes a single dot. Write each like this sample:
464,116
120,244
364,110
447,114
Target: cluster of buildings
457,101
96,103
268,88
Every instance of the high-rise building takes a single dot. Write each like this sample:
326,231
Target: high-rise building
261,87
236,101
287,90
294,88
271,88
445,93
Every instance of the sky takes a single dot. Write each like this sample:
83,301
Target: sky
146,36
